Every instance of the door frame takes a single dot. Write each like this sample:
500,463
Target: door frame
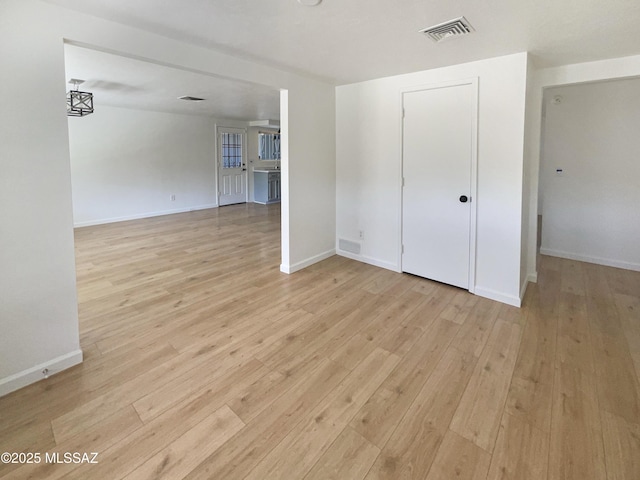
474,82
218,158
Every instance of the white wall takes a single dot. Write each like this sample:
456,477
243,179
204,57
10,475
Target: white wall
589,211
127,163
616,68
368,124
38,313
38,306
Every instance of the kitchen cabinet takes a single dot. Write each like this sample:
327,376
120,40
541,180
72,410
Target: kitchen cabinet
266,185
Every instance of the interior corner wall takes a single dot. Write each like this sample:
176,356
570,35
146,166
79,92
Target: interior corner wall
589,209
38,307
127,163
369,168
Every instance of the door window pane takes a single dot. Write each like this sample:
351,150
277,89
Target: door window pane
231,150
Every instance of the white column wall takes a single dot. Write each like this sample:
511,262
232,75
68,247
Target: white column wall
39,308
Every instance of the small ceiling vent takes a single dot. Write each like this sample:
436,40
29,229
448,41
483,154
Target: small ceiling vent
453,28
190,99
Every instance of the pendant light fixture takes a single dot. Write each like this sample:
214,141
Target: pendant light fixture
79,103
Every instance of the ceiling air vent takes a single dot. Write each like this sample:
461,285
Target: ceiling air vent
453,28
190,99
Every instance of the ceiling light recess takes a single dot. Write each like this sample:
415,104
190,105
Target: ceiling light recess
309,3
189,98
452,28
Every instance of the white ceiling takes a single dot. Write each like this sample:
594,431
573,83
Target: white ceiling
352,40
341,41
125,82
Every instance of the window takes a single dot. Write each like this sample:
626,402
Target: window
268,146
231,150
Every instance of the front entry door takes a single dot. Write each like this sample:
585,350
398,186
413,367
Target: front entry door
438,149
232,170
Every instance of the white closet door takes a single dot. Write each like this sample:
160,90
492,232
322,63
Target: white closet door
438,150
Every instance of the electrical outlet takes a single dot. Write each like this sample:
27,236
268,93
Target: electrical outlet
172,197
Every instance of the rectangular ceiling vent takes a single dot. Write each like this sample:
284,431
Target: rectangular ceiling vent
189,98
453,28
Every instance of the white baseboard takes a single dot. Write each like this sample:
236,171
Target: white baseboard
482,292
138,216
371,261
497,296
607,262
306,263
34,374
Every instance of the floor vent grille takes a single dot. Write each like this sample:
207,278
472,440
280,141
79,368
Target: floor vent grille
453,28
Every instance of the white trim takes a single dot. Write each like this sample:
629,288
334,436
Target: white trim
400,181
523,289
474,188
498,296
143,215
308,262
608,262
285,230
371,261
31,375
436,85
533,278
473,81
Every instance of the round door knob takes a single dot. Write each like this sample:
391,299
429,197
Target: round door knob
463,198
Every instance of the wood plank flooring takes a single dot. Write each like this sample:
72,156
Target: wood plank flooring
203,361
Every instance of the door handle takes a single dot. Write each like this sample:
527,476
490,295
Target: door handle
463,198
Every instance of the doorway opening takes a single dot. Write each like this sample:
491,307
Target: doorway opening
589,172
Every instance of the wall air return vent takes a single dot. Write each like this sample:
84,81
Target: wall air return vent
453,28
349,246
190,99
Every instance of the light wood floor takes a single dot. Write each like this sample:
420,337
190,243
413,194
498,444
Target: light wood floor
203,361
